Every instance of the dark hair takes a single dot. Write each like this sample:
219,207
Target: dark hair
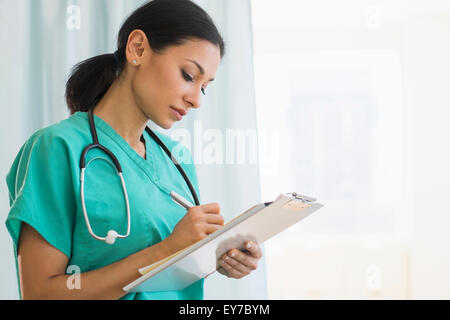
164,22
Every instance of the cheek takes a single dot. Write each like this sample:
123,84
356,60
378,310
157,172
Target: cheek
147,90
172,84
158,89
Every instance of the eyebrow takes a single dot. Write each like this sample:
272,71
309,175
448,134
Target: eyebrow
202,71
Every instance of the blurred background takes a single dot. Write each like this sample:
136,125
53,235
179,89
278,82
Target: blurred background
350,101
361,93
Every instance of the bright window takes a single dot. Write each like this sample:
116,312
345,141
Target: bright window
332,124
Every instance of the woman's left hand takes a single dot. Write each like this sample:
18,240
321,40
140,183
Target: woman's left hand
238,264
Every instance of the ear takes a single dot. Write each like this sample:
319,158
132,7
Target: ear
137,46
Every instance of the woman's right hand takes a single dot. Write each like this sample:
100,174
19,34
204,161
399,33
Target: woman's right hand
197,224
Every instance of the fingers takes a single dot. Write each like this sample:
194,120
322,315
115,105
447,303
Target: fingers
211,228
213,223
254,249
239,264
211,207
243,261
204,220
214,219
209,213
231,271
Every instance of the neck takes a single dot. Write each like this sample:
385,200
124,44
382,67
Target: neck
117,108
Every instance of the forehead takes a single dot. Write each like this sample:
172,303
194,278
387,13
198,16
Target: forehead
203,52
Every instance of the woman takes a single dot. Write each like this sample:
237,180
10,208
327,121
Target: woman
162,66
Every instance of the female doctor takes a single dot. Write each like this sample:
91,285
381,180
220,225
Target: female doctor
94,220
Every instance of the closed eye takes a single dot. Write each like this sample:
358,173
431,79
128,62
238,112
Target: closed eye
188,78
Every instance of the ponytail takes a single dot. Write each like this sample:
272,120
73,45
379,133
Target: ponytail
89,81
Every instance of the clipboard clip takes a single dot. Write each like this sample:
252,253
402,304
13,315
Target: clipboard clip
304,199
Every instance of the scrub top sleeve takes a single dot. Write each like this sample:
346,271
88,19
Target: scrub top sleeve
41,192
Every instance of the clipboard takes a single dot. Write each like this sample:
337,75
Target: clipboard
259,223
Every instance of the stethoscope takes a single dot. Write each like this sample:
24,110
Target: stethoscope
111,236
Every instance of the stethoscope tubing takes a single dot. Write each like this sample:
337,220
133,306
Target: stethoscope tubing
112,235
83,203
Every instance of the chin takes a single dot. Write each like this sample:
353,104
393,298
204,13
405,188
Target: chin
167,125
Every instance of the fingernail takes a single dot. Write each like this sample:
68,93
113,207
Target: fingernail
225,258
232,254
248,245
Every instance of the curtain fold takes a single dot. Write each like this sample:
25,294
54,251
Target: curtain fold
50,36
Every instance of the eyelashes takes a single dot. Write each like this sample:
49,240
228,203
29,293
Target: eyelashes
190,79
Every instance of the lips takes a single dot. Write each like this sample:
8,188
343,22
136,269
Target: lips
180,111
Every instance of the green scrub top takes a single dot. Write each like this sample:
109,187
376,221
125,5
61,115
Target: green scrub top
44,188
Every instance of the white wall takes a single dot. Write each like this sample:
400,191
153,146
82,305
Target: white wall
427,88
416,263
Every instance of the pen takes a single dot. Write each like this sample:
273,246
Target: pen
181,201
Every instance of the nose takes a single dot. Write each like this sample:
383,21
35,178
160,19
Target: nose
194,98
